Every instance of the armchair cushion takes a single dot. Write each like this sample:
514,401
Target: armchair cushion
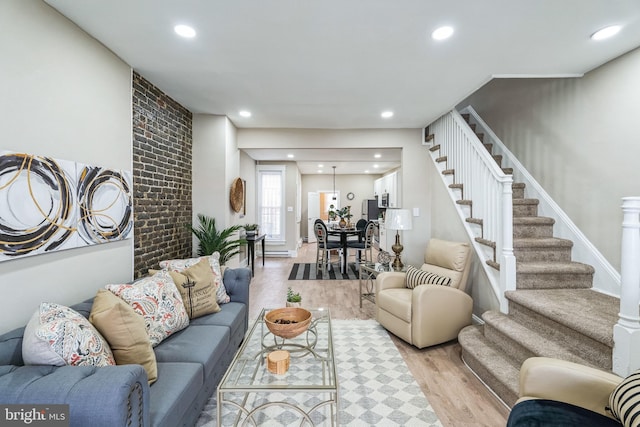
624,402
416,277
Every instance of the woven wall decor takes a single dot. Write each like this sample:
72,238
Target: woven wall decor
236,196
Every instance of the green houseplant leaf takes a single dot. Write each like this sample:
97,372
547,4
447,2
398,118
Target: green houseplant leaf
213,240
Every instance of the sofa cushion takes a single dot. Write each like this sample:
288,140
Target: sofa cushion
624,401
125,331
416,277
396,301
213,259
445,254
196,344
550,413
197,285
157,299
57,335
173,393
231,315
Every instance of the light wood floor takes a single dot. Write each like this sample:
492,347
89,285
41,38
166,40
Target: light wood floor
457,396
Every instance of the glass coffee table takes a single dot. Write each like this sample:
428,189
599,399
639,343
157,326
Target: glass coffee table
306,394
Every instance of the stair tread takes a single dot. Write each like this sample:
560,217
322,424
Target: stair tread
518,185
536,342
533,220
570,267
541,242
486,242
435,148
494,360
589,312
475,221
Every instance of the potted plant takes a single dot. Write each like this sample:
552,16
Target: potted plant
213,240
345,216
293,298
332,213
251,229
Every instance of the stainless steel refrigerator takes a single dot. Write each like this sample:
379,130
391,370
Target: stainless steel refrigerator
370,209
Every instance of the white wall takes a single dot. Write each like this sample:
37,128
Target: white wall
66,96
578,138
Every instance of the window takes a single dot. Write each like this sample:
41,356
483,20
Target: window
271,201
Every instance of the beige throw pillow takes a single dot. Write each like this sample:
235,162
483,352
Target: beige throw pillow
125,332
197,285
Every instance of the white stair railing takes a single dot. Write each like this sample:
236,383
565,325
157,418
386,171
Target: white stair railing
626,333
489,189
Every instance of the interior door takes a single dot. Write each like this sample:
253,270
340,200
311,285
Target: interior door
313,213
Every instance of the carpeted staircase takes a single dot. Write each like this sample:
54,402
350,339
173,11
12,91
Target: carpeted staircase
553,312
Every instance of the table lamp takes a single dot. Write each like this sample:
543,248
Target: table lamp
397,219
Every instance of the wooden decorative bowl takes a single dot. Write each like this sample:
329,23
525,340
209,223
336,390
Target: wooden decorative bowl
298,319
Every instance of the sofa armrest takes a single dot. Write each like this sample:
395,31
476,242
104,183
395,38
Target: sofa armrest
106,396
236,281
554,379
439,313
390,279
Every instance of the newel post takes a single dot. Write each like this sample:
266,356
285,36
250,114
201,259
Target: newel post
626,333
507,257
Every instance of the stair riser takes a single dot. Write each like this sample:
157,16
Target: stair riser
548,254
553,281
507,395
525,210
524,231
589,349
518,193
513,349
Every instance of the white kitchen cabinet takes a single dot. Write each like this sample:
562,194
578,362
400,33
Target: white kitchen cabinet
382,235
388,184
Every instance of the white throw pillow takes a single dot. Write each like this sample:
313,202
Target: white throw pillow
179,265
57,335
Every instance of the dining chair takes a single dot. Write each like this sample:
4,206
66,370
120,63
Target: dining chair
324,246
364,247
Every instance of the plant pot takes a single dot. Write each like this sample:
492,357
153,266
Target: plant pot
251,232
342,223
294,304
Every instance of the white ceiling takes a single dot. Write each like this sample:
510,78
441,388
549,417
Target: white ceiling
339,63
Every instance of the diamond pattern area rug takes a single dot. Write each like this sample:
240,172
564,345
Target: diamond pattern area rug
375,385
308,271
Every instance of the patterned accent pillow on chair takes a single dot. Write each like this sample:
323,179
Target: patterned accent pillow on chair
416,277
624,401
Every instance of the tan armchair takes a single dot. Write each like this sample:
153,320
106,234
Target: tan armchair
428,314
568,382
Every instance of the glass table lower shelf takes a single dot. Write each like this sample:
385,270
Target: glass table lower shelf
249,394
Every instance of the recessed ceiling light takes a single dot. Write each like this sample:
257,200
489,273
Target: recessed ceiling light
442,33
291,156
185,31
367,171
377,155
319,171
320,166
606,32
387,114
376,166
245,113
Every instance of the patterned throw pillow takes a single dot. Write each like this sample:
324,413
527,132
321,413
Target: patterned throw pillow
416,277
624,401
197,287
214,261
125,331
57,335
157,299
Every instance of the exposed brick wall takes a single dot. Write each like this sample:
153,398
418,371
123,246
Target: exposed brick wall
162,147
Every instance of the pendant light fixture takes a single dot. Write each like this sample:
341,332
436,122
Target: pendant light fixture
334,183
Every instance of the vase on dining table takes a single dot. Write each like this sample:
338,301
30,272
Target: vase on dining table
342,223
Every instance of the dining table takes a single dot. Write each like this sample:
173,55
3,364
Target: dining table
344,233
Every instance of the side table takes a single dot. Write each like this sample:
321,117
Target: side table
368,273
251,243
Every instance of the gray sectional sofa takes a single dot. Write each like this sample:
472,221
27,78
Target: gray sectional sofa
190,363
